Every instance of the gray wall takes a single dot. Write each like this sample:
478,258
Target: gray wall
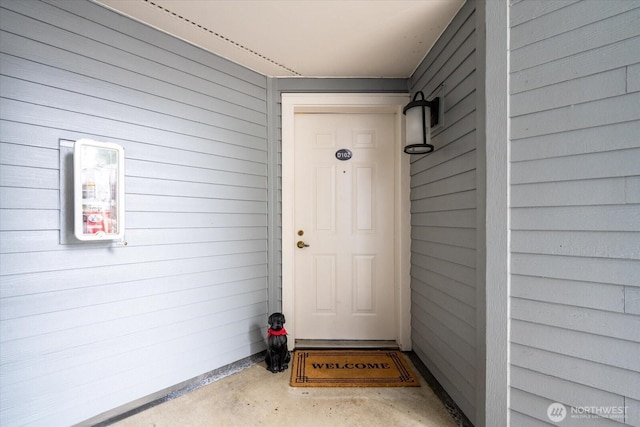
575,209
88,327
443,198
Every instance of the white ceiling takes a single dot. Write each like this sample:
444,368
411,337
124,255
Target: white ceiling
308,38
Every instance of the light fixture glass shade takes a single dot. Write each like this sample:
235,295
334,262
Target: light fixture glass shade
417,132
418,125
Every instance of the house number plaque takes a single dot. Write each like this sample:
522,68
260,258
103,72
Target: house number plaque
343,154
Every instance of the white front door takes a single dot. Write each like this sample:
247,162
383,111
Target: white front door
344,211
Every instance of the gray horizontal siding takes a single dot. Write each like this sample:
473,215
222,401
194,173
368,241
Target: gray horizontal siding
575,209
86,328
443,218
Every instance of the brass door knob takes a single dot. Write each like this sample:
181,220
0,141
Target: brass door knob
301,244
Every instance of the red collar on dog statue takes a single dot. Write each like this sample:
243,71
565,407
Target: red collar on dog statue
273,333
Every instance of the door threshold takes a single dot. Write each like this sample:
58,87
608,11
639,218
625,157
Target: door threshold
309,344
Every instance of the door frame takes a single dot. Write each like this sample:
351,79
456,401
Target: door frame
293,103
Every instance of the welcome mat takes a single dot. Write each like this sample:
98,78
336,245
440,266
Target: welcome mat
351,368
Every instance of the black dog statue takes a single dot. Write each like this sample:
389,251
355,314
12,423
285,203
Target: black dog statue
278,356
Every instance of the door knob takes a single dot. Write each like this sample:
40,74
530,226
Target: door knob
301,244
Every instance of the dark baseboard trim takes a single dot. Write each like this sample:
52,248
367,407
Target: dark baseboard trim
122,412
451,406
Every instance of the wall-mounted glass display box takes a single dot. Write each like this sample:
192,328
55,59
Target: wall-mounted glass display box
98,190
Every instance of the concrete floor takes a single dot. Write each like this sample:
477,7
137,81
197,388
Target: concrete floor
256,397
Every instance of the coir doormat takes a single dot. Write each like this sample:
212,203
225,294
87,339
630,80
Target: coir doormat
351,368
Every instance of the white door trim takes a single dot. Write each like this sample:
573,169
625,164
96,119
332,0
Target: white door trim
348,103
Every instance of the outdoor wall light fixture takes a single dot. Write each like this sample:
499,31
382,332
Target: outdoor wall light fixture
418,112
